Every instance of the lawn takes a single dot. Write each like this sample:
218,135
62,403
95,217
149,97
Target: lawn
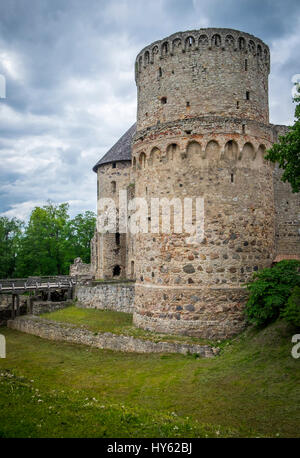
115,322
55,389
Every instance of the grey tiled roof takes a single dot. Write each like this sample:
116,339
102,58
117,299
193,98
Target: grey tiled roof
121,151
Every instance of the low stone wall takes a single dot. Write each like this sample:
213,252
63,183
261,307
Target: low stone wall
39,307
69,333
106,296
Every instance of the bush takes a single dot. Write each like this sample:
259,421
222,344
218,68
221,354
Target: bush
291,312
270,290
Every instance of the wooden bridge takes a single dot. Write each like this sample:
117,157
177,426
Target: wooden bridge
33,285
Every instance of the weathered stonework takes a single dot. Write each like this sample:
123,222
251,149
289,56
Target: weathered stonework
203,131
107,296
80,269
60,332
39,307
111,249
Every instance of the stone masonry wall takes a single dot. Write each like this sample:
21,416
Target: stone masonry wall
203,72
222,161
111,249
68,333
202,131
106,296
287,207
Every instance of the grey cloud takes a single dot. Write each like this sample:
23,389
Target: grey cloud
71,93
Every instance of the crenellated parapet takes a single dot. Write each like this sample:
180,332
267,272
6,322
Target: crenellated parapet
215,72
203,40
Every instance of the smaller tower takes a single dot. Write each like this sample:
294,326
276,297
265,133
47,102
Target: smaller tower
112,250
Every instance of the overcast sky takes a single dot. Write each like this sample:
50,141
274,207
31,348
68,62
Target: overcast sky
69,69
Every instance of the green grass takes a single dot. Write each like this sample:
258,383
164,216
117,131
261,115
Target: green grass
115,322
55,389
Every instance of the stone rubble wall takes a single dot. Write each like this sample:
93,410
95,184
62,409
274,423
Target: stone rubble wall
40,307
60,332
107,296
80,269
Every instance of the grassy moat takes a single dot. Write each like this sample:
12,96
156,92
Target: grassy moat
99,321
56,389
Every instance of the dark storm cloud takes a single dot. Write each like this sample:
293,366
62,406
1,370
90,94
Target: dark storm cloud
69,68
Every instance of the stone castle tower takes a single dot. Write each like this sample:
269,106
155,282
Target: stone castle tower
202,130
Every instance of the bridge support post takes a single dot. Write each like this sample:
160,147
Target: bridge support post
49,296
18,304
28,304
13,307
70,292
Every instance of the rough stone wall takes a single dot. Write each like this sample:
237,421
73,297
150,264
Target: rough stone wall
107,296
202,72
60,332
111,251
130,239
39,307
287,206
202,131
80,269
197,289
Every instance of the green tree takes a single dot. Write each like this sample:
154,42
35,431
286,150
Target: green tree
287,152
270,290
10,237
42,251
52,240
81,229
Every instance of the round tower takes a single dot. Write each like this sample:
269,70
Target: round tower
112,252
202,131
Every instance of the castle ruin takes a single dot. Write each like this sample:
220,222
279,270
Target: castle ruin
202,130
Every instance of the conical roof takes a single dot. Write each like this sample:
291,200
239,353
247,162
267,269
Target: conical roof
121,151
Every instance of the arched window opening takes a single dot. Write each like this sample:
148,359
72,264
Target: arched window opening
189,42
116,271
248,151
216,40
231,150
142,160
203,41
147,57
193,148
165,48
212,149
242,43
171,151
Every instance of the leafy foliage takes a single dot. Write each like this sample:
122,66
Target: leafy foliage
80,232
10,234
48,244
287,152
291,312
270,290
